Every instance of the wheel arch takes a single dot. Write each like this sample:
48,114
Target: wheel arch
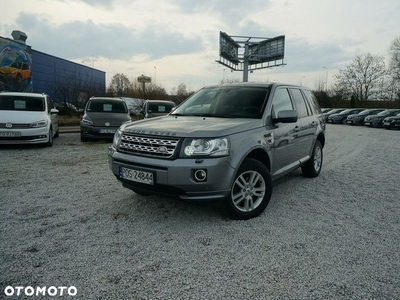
321,139
260,155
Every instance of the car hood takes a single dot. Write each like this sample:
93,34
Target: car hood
370,117
185,126
21,117
392,118
353,115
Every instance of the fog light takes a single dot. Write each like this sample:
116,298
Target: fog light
200,175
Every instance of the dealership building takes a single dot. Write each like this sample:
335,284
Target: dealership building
25,69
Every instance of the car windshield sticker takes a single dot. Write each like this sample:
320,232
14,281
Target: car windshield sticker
19,104
107,107
161,108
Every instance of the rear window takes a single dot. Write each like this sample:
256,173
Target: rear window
106,106
21,103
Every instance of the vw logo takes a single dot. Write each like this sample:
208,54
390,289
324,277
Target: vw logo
8,125
107,124
162,149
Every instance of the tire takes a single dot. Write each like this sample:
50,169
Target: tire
57,133
250,192
83,139
344,121
313,166
50,141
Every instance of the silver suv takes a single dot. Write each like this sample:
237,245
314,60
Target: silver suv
225,143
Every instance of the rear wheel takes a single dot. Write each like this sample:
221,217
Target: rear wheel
313,166
250,192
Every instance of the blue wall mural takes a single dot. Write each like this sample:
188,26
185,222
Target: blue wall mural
15,67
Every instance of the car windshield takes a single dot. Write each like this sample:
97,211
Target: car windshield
366,112
22,103
226,102
160,107
387,113
346,111
107,106
334,111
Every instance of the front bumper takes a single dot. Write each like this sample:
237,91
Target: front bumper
94,132
176,177
25,136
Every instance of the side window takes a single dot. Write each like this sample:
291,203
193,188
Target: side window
299,102
281,101
50,104
313,101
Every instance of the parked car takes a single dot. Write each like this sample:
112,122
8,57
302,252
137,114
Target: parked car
342,116
27,118
325,110
358,119
392,122
331,112
224,143
377,120
102,117
156,108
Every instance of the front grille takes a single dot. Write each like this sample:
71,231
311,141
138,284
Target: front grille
148,145
15,126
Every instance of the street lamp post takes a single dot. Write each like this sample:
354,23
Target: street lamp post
301,80
326,79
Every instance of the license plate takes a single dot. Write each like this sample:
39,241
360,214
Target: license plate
136,175
108,130
10,133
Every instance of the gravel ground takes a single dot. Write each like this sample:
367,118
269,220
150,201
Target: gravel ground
67,222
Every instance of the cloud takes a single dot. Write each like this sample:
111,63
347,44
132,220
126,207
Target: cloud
76,39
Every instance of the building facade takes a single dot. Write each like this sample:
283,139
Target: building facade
23,69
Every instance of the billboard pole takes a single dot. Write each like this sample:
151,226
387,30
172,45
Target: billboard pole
246,62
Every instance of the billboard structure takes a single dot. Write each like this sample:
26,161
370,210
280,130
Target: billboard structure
250,53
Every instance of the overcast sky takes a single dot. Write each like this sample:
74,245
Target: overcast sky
177,41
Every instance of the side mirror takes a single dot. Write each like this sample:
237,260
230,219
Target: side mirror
286,116
54,111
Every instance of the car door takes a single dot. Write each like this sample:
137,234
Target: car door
286,150
308,124
53,116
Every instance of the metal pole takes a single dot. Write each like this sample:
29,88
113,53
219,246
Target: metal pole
326,79
246,62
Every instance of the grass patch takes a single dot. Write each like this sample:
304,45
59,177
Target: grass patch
69,120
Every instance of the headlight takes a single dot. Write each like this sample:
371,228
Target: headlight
205,147
86,122
117,137
41,123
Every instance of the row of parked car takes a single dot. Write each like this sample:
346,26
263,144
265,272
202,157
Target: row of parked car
374,117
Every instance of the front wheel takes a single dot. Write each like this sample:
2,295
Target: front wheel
250,192
313,166
50,140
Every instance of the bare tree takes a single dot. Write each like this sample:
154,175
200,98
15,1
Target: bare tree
119,85
394,69
363,78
